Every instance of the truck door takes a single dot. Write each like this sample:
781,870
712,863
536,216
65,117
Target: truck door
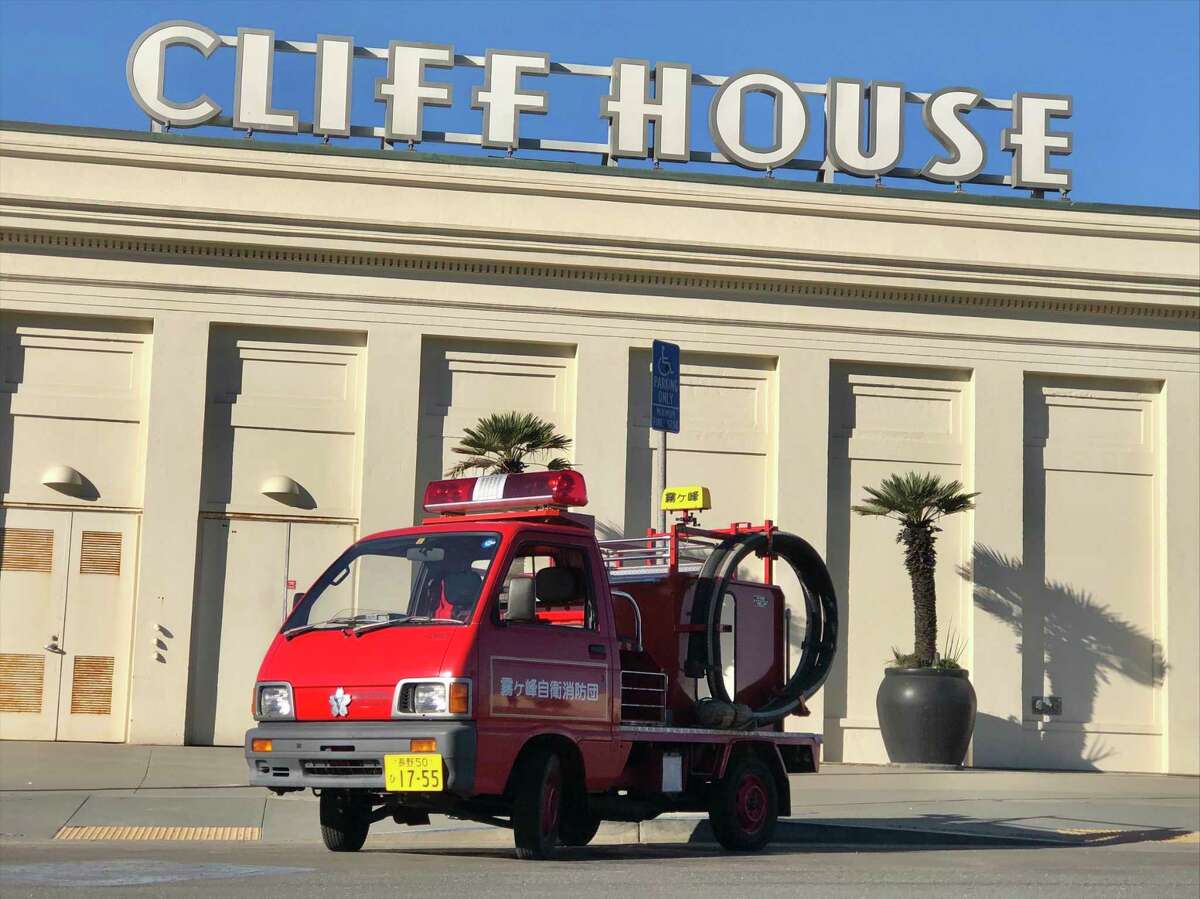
553,671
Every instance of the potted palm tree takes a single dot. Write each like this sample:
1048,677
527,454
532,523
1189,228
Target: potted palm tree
926,703
508,442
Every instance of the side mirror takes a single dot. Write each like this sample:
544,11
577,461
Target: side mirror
298,598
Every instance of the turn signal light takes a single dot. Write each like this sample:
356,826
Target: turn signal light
258,745
422,745
460,698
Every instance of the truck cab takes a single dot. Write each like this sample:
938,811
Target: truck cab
481,665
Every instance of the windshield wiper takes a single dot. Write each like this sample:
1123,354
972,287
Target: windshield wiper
320,625
406,619
377,625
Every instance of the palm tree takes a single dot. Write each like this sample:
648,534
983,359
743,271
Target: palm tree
918,501
507,442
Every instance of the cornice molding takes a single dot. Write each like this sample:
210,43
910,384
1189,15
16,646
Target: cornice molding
13,240
573,181
709,258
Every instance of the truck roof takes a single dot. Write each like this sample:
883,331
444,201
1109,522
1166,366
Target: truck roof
551,518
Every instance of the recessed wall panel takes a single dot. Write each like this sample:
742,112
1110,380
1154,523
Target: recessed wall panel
1084,599
464,380
73,393
887,420
725,440
283,404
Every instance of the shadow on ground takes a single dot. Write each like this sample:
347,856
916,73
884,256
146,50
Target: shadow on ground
675,838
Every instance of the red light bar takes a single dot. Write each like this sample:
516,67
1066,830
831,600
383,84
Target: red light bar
496,492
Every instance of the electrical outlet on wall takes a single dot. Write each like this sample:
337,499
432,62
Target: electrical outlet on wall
1047,705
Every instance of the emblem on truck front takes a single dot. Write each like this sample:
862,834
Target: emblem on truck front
339,703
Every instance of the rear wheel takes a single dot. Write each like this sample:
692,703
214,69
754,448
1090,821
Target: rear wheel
538,809
745,805
345,820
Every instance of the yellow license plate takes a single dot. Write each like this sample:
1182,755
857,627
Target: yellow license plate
415,772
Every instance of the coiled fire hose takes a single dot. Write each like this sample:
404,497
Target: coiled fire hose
820,631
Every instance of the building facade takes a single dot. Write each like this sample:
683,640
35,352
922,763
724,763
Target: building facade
223,360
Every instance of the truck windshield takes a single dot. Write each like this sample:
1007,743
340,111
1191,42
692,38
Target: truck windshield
392,581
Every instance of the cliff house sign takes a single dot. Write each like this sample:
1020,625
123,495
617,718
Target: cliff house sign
639,96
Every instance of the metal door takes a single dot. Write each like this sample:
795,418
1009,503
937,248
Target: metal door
34,546
93,695
66,610
311,548
239,604
249,571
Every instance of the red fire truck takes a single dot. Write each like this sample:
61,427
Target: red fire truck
497,663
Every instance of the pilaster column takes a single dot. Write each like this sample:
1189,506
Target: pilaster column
601,406
801,500
391,409
998,474
170,515
1180,494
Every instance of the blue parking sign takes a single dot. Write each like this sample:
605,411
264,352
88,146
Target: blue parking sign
664,387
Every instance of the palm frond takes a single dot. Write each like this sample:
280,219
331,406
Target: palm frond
509,442
915,498
474,463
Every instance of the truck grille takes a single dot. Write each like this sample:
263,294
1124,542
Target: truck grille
342,767
404,702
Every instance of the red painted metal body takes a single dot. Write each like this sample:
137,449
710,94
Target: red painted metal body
535,681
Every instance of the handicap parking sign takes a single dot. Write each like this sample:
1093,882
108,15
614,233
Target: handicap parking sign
664,387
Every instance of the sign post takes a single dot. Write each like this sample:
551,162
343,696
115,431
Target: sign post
664,412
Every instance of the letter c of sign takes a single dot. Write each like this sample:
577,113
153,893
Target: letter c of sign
145,70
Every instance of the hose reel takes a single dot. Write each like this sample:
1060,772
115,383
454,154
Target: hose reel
820,633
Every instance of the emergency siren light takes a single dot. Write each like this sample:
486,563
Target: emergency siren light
506,492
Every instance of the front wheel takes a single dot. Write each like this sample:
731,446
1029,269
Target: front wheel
745,806
580,828
538,807
345,820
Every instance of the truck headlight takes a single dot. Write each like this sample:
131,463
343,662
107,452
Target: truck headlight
445,697
274,703
430,699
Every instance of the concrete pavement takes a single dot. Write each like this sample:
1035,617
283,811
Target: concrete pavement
87,791
690,871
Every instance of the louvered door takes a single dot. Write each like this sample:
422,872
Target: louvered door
34,545
99,615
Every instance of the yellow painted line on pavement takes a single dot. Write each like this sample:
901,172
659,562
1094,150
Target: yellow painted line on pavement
100,832
1096,836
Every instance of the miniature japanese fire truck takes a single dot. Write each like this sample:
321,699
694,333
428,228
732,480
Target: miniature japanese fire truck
497,663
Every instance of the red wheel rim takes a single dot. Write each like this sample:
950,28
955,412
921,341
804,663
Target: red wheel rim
551,793
751,803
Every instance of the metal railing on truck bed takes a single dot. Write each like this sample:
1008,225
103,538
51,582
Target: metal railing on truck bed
682,549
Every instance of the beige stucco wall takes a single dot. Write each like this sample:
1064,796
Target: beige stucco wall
1047,356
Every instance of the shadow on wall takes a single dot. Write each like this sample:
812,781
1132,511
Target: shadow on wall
1070,645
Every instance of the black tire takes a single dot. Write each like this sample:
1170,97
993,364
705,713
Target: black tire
345,820
579,829
744,806
538,805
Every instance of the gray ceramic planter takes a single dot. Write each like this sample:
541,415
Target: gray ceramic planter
926,714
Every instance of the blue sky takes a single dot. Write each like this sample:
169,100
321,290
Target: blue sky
1133,67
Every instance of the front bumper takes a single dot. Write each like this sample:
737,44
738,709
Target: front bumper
349,754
